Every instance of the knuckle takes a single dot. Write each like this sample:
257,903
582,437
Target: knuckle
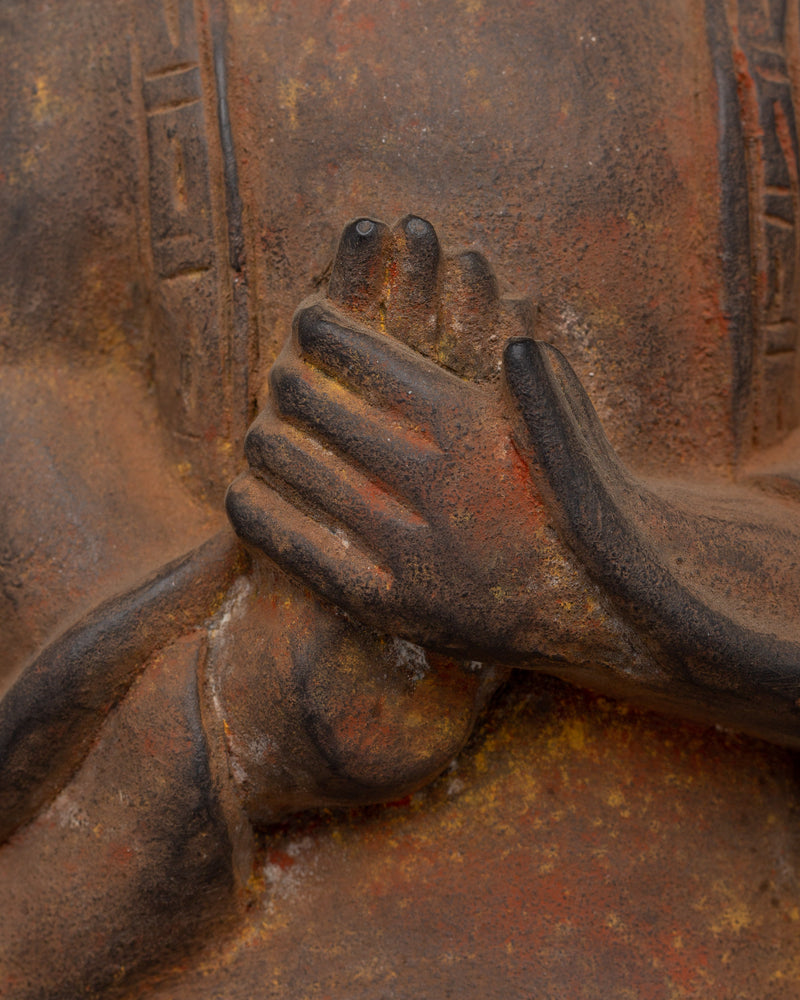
309,325
285,389
239,507
256,444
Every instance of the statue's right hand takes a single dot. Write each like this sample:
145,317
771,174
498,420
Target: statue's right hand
394,489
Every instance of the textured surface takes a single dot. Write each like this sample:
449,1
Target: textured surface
577,849
633,168
574,144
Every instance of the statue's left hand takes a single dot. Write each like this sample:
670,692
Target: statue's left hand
394,488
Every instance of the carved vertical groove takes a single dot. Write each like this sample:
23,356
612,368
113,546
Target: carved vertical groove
750,41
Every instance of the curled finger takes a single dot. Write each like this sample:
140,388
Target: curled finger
333,565
388,374
384,446
321,479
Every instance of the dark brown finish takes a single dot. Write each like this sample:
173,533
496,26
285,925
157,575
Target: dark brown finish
175,176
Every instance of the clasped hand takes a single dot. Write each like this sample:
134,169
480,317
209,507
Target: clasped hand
389,484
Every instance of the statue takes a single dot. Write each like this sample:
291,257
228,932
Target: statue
431,499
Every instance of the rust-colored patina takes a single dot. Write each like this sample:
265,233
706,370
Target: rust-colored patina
576,848
185,760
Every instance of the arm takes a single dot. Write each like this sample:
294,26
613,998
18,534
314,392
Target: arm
53,713
709,573
351,716
146,743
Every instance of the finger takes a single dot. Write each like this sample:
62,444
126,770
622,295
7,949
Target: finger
323,480
331,564
471,279
559,420
468,316
580,406
359,269
413,284
382,444
385,372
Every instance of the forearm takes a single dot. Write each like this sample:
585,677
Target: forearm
706,577
54,712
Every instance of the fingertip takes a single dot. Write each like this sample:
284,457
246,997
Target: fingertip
476,277
287,389
523,365
306,325
365,228
236,506
417,229
418,245
361,237
254,444
520,352
357,274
